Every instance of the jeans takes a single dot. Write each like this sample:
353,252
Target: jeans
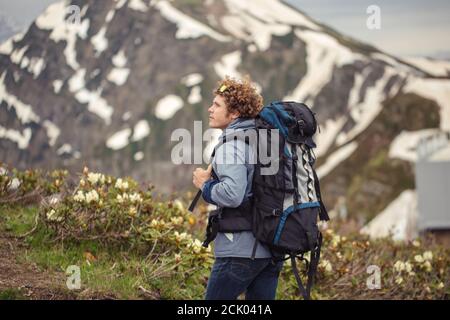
231,276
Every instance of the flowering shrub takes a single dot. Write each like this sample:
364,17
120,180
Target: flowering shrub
118,212
407,270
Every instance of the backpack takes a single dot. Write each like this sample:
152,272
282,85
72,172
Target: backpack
286,202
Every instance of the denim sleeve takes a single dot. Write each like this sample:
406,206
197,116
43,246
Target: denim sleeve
206,190
230,166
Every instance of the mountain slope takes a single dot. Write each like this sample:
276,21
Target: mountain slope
108,92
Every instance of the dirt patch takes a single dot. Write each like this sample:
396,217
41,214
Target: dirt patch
26,280
21,280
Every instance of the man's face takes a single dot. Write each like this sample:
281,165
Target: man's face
219,117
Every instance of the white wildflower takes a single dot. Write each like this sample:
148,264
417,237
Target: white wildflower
408,267
399,266
418,258
135,197
120,184
326,265
92,196
427,266
79,197
52,216
154,223
178,204
428,255
54,201
94,178
177,220
399,280
196,246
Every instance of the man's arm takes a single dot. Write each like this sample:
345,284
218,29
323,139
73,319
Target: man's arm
229,190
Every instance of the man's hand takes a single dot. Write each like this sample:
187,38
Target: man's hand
200,176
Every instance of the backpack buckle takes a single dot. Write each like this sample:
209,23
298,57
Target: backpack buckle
274,212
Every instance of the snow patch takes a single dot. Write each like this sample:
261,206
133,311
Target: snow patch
76,82
21,138
192,79
52,131
7,47
402,68
141,130
195,95
257,21
138,5
138,156
57,84
271,11
110,15
126,116
24,111
365,112
405,144
336,158
433,89
397,220
99,41
120,60
327,135
323,54
168,106
54,19
17,55
36,66
65,148
247,27
227,66
187,26
119,139
438,68
96,104
120,3
118,76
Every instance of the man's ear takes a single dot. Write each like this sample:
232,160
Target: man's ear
235,115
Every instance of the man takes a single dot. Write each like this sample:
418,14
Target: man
242,264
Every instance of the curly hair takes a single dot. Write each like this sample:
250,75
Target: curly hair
241,96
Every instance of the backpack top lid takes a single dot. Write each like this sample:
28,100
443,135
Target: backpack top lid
295,120
305,125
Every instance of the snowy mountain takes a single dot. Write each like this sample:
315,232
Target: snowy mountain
109,91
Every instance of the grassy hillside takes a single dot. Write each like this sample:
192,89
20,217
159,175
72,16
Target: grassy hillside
131,243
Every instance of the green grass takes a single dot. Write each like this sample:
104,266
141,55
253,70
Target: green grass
12,294
115,271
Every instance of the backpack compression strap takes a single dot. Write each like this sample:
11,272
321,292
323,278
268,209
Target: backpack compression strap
312,270
323,214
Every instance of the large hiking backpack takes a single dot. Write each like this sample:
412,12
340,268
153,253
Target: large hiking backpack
286,202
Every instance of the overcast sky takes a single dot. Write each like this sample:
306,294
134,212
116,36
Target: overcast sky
408,27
